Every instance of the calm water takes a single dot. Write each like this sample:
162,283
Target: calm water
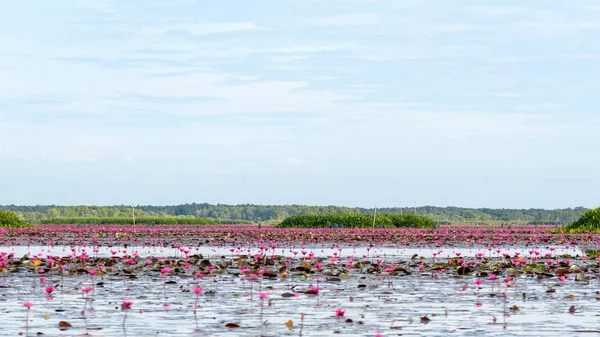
390,308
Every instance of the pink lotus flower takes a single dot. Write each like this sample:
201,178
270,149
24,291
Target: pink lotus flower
478,281
340,312
165,270
126,305
92,272
86,289
263,295
198,290
27,305
49,290
43,279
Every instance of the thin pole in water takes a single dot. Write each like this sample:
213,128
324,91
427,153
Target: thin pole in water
133,216
374,215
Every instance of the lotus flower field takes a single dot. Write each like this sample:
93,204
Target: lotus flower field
241,280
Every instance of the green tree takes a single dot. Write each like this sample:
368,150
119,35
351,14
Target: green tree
10,219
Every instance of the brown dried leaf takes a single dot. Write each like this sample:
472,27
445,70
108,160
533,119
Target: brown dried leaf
231,325
64,325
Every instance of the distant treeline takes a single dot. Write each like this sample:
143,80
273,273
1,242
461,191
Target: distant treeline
127,221
264,213
356,221
143,220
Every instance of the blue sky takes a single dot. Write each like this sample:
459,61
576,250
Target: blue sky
358,103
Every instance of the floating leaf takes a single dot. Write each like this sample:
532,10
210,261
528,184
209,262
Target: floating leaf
464,270
289,323
47,317
572,309
425,319
64,325
514,308
570,297
231,326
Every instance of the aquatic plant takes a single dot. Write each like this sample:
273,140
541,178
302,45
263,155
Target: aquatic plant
291,263
27,306
197,291
356,221
262,297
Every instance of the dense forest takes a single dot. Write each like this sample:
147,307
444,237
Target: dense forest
266,213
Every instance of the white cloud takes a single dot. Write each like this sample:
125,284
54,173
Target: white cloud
202,28
292,161
349,19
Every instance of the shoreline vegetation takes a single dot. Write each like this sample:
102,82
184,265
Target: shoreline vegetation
195,213
357,221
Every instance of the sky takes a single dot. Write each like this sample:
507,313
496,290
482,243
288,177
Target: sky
355,103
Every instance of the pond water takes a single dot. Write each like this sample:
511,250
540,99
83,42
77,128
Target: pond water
374,301
294,252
